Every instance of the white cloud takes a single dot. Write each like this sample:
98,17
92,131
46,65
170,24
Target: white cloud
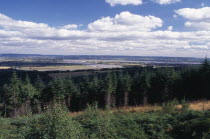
198,25
170,28
126,21
198,19
194,14
70,26
164,2
123,34
124,2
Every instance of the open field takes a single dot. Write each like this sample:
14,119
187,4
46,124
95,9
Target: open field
54,68
70,68
4,67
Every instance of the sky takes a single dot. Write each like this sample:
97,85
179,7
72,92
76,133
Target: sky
177,28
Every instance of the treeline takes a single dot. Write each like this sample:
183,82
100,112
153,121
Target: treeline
112,89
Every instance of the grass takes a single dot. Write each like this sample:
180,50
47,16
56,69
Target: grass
201,105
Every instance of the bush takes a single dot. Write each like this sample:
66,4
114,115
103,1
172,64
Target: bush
170,107
54,124
192,129
97,124
185,105
6,129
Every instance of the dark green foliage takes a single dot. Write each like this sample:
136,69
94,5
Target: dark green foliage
185,105
192,125
170,106
6,129
106,125
57,124
205,67
54,124
23,95
97,124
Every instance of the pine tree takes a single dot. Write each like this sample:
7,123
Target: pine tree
205,67
27,90
126,88
120,90
14,94
114,89
70,90
39,85
145,82
109,89
28,99
36,101
5,100
58,90
94,90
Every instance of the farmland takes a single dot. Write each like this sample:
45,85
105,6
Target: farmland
72,63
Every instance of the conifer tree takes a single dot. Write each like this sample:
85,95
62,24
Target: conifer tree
205,67
58,90
70,90
28,93
39,85
94,90
145,82
109,89
126,88
14,94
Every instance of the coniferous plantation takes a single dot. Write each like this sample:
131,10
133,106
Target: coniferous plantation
104,69
37,106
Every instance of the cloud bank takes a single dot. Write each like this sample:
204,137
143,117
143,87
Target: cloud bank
126,21
123,34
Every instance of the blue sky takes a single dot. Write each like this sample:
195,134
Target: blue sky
110,27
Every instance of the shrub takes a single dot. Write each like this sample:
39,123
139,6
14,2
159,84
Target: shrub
192,129
6,129
54,124
170,107
185,105
96,123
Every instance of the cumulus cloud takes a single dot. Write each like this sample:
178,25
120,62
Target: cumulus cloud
165,2
123,34
126,21
197,18
124,2
195,14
